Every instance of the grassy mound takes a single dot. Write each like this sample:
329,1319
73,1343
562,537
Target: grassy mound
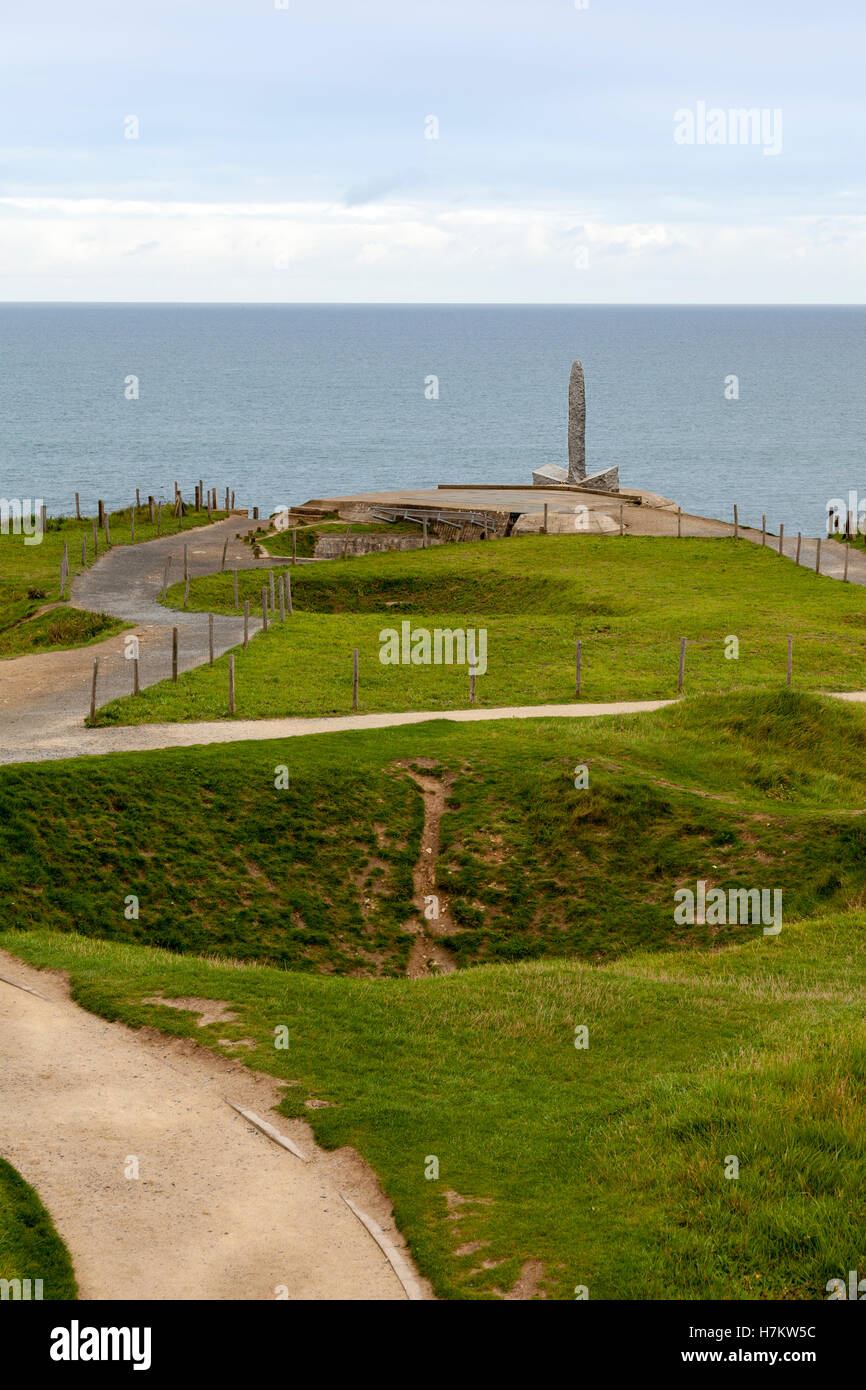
757,791
30,1248
58,630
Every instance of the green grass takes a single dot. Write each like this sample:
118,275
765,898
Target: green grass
628,600
58,630
30,1248
30,579
605,1165
749,791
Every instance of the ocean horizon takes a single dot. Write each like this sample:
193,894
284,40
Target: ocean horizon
710,405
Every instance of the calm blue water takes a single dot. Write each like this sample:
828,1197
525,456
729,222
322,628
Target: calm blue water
285,403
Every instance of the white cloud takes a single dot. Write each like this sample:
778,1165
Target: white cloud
94,248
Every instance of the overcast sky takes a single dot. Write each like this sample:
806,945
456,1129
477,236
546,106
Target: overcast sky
284,153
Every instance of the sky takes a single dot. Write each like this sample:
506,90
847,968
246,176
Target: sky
433,151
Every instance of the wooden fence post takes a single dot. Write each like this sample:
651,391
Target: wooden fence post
282,588
107,535
679,521
682,673
471,686
763,530
186,592
135,687
354,678
799,542
174,654
231,685
93,688
101,513
264,610
150,508
273,593
736,524
137,498
544,527
223,560
210,638
185,563
577,668
790,657
246,623
781,538
818,557
289,594
77,508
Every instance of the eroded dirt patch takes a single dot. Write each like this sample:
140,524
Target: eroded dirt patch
209,1010
432,918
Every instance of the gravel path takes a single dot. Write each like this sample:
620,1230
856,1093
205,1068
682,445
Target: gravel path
45,698
217,1211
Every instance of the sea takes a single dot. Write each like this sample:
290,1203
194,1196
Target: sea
711,406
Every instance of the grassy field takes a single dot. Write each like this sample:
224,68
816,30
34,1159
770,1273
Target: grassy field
604,1167
753,790
30,1248
30,579
628,600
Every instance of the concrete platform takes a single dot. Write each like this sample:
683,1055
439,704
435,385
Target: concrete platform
493,498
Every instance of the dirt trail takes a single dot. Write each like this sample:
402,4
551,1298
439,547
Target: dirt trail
218,1211
429,956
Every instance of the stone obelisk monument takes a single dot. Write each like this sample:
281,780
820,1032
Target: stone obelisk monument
576,425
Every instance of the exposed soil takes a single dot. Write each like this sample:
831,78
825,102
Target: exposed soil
217,1210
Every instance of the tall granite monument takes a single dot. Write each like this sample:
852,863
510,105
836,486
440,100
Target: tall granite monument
551,475
576,425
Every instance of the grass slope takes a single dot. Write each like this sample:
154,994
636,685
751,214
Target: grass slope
628,600
603,1166
30,1248
755,791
